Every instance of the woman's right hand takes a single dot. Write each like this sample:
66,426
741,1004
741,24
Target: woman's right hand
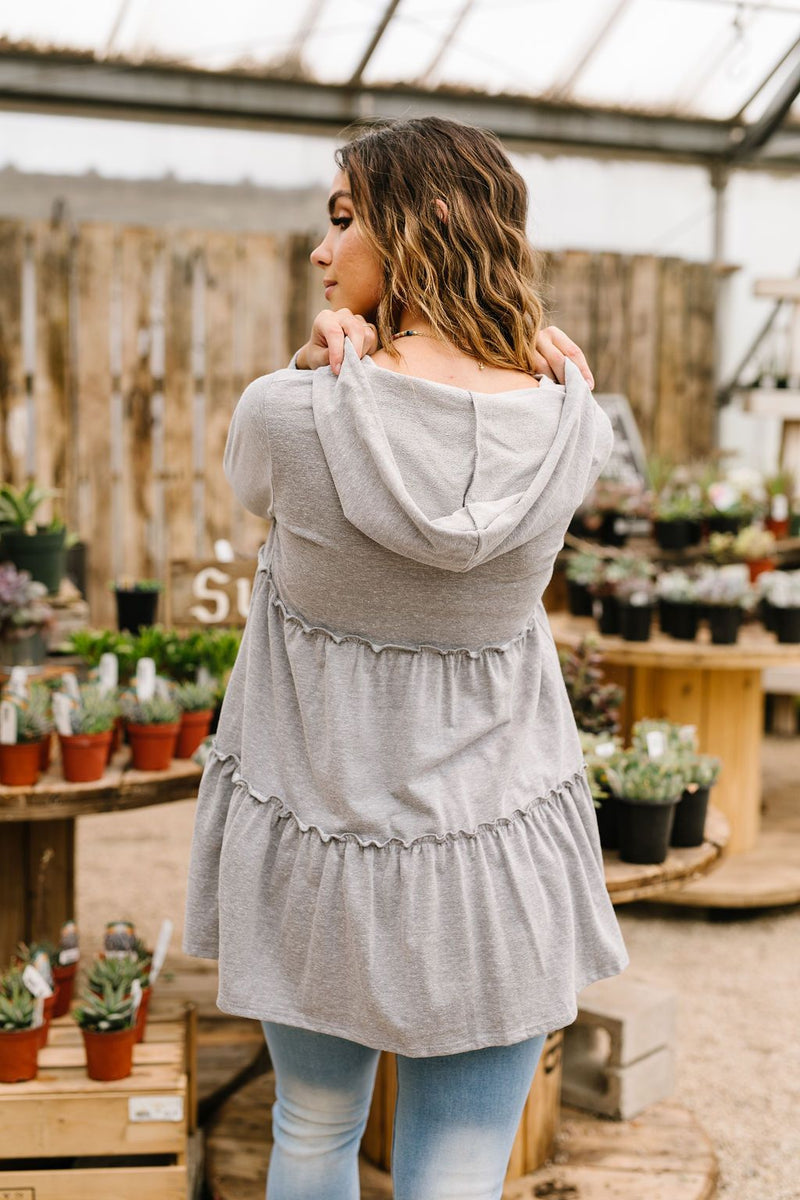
325,346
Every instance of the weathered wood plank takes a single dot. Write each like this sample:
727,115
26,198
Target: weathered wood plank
673,416
221,385
13,431
54,450
572,283
611,314
701,429
178,514
642,336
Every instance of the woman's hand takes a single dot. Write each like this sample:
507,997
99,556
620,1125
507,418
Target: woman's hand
325,347
552,348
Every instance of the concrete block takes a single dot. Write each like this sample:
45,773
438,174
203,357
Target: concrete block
618,1092
638,1017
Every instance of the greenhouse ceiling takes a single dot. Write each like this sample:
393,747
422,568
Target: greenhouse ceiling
690,80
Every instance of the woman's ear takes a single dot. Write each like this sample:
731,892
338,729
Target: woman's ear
442,209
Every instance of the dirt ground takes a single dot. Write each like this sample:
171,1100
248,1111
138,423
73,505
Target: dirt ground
737,978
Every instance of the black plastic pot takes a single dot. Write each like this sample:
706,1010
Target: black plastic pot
766,614
635,621
135,608
695,533
608,619
666,610
644,831
690,819
76,566
683,620
719,523
786,624
42,553
579,599
673,535
611,532
608,822
724,621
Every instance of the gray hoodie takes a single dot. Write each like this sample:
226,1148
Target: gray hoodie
395,841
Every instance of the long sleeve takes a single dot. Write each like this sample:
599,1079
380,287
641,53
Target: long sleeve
247,461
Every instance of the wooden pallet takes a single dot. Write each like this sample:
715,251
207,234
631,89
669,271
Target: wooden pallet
74,1138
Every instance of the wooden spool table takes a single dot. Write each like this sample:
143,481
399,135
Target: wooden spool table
719,690
43,818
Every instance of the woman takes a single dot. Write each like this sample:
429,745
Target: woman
395,846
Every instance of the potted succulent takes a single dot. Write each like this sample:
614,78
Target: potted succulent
636,599
781,598
125,958
599,752
676,520
756,546
25,618
19,761
65,969
727,594
19,1037
38,549
595,704
152,727
196,702
700,773
731,503
582,571
42,956
107,1023
647,790
137,601
85,752
677,604
616,574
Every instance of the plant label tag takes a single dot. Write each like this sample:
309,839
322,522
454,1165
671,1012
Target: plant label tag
18,683
109,673
35,983
605,749
161,947
155,1108
687,735
8,723
67,957
136,996
204,677
656,743
162,688
62,707
145,679
69,681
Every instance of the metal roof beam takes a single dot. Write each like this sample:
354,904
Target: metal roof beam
67,85
380,30
458,20
562,88
759,133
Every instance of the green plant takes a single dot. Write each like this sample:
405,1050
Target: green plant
16,1002
781,483
584,568
40,706
32,724
754,543
96,713
195,697
677,738
114,973
699,770
635,776
637,592
18,507
23,610
726,587
781,589
106,1012
599,752
129,583
677,586
679,506
595,704
157,711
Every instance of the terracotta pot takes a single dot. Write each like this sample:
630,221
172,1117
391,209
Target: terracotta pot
65,978
19,764
45,752
758,566
152,746
194,727
19,1049
49,1012
84,756
109,1055
141,1016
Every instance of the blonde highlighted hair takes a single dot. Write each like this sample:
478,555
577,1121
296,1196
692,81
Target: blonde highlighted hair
469,268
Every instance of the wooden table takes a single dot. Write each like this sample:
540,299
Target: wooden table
35,900
716,688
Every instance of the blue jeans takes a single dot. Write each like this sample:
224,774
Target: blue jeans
455,1120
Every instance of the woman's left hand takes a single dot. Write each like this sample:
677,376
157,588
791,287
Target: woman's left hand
553,347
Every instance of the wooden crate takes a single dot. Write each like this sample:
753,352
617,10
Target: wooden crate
122,1140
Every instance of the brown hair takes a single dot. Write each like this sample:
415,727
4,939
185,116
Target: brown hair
473,275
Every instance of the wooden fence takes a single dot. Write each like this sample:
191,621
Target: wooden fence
123,352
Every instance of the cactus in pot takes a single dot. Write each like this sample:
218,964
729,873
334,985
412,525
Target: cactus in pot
648,790
19,1036
107,1023
84,751
152,727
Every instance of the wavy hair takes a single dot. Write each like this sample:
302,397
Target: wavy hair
472,274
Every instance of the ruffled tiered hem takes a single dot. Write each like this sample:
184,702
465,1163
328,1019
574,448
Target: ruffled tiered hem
443,943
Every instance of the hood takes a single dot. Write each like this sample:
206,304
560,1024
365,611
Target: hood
453,478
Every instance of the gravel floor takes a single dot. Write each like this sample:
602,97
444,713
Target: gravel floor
737,980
